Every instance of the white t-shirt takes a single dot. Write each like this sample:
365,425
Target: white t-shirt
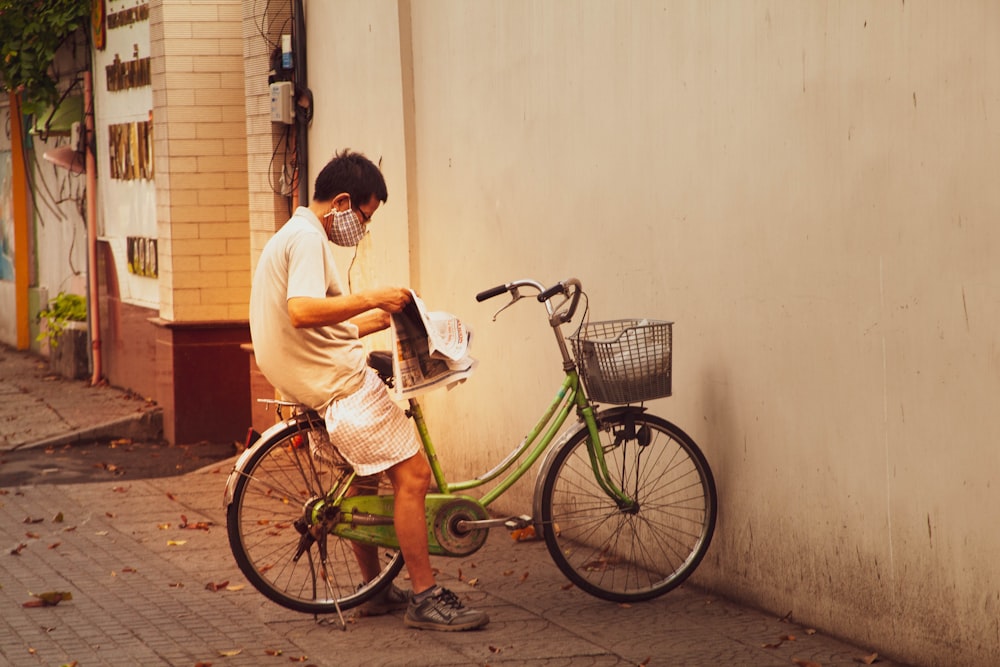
314,365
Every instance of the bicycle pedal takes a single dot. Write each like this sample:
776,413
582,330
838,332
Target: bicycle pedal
517,522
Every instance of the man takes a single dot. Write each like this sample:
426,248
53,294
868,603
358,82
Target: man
305,333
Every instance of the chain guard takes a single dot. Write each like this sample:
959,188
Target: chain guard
452,541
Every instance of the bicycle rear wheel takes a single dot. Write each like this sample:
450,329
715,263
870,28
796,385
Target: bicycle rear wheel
637,551
275,537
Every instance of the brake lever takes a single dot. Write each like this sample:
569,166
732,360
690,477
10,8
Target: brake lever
515,296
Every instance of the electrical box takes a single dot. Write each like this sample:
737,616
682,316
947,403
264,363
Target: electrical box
76,137
281,102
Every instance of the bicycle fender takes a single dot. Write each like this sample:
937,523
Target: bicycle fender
234,474
550,455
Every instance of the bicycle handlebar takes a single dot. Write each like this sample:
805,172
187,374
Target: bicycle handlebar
570,288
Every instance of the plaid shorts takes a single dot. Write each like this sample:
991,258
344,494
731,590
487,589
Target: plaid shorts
369,429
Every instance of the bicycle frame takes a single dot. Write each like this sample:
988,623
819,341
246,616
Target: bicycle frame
369,516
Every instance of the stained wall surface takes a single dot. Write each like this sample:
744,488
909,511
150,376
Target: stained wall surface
806,189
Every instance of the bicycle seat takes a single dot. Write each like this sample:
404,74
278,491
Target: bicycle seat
381,361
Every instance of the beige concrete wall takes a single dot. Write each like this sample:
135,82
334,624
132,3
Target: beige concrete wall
200,150
805,188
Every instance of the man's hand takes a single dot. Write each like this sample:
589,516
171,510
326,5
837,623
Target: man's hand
392,299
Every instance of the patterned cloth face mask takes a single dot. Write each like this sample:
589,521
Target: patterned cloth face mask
345,228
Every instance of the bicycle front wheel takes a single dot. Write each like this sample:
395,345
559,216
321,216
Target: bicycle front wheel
277,536
635,549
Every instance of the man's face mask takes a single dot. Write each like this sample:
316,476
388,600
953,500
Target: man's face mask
345,228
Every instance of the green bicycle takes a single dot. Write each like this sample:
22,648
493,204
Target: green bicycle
625,500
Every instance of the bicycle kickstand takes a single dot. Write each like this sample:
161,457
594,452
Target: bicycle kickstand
321,544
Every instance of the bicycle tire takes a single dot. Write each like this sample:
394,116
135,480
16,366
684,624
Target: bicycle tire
638,553
285,473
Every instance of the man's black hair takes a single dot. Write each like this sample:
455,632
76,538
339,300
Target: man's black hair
352,173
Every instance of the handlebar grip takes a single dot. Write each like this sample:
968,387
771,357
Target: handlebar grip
571,288
491,292
551,292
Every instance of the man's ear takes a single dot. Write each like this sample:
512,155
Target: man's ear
342,202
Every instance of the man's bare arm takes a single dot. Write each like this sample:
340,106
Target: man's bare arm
307,312
372,321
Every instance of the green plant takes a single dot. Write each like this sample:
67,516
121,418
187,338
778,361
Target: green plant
62,309
31,31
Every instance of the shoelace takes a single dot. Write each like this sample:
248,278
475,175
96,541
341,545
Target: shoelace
448,598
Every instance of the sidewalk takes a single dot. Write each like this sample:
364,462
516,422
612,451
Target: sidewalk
41,409
148,591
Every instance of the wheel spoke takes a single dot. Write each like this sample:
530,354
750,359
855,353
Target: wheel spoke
639,551
278,484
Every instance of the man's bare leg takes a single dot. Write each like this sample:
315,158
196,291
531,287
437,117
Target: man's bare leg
366,554
410,480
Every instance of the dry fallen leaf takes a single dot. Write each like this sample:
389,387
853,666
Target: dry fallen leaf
474,581
524,577
48,599
58,518
216,587
176,543
16,551
231,652
199,525
272,651
523,534
868,659
235,587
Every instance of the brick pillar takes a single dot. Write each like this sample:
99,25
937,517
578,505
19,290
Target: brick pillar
202,207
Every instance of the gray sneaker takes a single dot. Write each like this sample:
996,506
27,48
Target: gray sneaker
441,610
389,600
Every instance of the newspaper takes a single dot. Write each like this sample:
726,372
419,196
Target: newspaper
431,350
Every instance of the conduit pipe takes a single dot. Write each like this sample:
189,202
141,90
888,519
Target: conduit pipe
302,112
94,287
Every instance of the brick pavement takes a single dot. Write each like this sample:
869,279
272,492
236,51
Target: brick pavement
139,597
140,582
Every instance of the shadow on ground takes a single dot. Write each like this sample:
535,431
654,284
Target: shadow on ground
106,461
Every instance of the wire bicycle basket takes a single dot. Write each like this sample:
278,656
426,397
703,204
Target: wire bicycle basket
624,361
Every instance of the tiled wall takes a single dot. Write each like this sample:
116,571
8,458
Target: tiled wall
200,149
267,147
